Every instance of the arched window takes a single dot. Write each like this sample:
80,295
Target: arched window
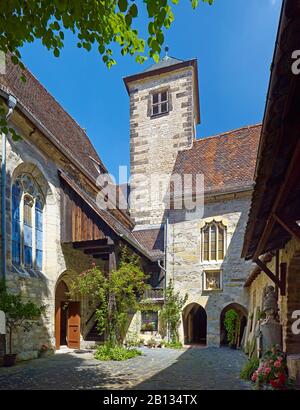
27,223
213,242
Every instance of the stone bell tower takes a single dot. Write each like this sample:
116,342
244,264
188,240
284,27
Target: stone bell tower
164,111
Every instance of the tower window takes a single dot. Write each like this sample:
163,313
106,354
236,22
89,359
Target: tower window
160,103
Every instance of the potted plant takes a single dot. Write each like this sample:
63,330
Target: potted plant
18,315
272,372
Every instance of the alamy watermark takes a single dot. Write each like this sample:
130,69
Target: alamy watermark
296,324
296,63
156,192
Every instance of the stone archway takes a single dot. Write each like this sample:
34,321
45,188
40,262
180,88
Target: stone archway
194,324
243,314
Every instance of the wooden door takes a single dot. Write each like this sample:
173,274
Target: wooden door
73,335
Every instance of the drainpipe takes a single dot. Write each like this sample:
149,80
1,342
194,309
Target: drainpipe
164,268
11,105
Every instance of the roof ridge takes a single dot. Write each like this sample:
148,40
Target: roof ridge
228,132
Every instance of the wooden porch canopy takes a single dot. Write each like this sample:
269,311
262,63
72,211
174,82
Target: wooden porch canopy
93,230
275,208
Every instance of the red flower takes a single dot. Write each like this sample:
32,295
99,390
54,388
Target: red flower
274,383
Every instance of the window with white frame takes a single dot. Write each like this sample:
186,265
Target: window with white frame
159,103
27,223
213,242
212,280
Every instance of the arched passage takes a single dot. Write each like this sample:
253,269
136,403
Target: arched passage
67,318
194,324
242,313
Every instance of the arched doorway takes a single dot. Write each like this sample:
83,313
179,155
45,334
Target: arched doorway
67,318
243,314
194,324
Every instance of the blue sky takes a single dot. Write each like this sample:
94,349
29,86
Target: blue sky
233,41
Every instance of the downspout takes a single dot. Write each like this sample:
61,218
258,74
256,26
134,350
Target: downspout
164,268
11,105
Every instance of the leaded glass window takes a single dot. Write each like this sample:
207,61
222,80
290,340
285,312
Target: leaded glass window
213,242
27,223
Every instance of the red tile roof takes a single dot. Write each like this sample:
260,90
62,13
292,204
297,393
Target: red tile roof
152,240
49,113
226,160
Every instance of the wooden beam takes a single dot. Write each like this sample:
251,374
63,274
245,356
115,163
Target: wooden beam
268,272
283,269
90,244
291,176
290,226
102,249
277,271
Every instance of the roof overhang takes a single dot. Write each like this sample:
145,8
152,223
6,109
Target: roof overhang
160,71
276,196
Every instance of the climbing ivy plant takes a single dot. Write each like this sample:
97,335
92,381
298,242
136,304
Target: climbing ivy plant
232,325
116,294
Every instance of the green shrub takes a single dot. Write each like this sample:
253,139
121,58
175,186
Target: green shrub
117,353
173,345
250,367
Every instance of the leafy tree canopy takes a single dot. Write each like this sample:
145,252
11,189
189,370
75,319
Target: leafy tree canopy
99,23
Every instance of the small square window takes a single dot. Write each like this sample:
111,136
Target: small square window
160,103
155,98
164,96
212,280
155,110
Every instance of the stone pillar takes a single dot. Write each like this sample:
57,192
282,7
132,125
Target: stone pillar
271,335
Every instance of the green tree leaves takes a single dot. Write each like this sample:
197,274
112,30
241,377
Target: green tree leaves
115,295
100,22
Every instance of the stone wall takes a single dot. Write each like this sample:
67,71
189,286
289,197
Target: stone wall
58,260
155,141
186,269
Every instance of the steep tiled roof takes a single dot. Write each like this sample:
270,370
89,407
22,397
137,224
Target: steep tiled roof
49,113
152,240
226,160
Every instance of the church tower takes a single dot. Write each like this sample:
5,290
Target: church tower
164,111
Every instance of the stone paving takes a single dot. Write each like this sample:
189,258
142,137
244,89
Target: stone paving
156,369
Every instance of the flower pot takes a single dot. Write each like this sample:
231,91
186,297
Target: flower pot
9,360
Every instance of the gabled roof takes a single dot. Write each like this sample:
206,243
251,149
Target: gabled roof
226,160
50,116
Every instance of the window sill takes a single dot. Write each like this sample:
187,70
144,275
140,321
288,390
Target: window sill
163,114
212,290
26,273
148,332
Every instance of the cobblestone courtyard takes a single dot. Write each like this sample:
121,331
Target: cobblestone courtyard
156,369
